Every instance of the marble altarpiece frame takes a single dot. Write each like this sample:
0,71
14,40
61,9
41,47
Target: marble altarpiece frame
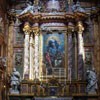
54,54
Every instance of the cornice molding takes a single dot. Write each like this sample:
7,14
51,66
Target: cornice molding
65,17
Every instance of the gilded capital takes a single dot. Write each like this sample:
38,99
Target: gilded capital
36,30
27,28
80,27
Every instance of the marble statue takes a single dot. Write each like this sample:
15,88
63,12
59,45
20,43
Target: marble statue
15,82
29,8
91,82
77,7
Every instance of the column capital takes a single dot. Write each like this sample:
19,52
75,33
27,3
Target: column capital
27,28
11,18
70,28
36,30
80,27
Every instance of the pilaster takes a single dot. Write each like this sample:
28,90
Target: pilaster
96,45
10,47
70,47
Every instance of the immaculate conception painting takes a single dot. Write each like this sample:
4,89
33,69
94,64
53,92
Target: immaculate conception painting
54,52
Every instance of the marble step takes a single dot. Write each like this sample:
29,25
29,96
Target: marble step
53,98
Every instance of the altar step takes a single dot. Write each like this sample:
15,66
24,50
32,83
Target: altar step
53,98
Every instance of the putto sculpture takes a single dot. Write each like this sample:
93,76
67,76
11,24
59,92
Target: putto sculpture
77,7
30,8
15,82
91,82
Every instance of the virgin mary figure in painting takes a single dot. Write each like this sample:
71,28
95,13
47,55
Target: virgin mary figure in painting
54,55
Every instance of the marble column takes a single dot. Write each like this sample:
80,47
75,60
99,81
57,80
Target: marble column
76,54
70,51
41,55
69,56
81,53
27,31
36,51
31,74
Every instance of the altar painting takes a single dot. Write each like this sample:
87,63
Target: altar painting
54,52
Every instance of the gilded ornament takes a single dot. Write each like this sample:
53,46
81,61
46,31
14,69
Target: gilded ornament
80,27
27,28
36,30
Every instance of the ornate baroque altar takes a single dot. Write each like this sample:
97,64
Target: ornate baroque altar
54,52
